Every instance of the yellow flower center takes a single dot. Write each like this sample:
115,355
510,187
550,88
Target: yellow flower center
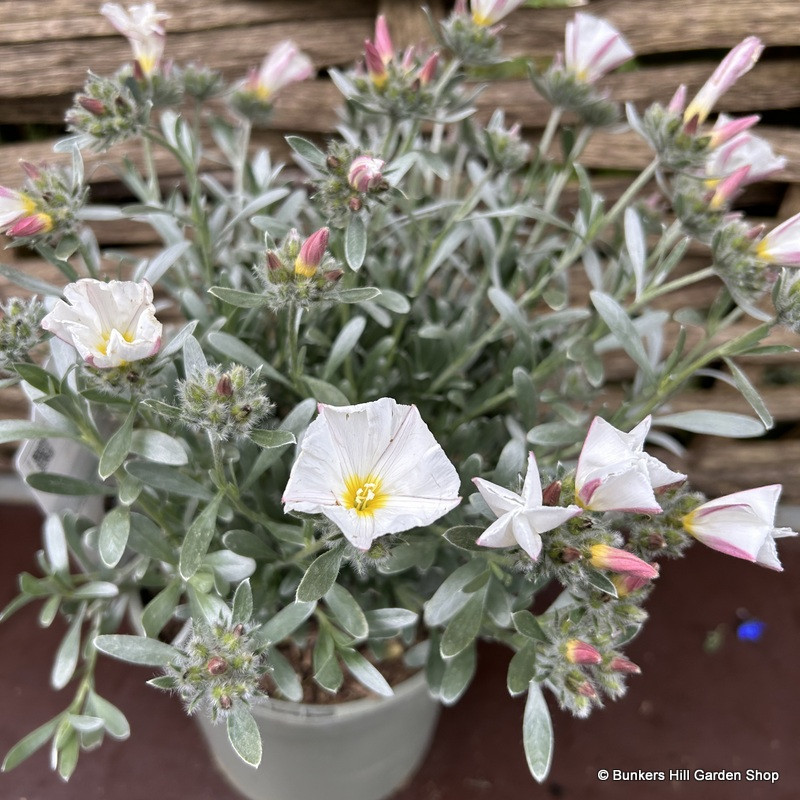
480,19
106,337
363,494
29,205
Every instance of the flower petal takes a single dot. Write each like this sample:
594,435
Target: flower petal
498,498
528,539
499,533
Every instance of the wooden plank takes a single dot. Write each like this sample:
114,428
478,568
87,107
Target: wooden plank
58,20
663,26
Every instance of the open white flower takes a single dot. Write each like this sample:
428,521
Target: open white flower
594,47
521,519
372,469
741,524
109,324
141,26
284,65
615,474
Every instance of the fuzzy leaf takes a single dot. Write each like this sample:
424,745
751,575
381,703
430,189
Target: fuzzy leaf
285,622
242,603
713,423
198,538
244,735
272,438
620,324
365,672
136,649
161,608
159,447
347,611
114,531
355,242
537,733
67,656
320,576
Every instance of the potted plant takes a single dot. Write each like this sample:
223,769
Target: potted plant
350,417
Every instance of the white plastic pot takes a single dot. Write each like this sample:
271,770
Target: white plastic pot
359,750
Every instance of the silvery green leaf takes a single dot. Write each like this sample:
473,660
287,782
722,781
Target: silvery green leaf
97,213
194,359
55,483
307,150
347,611
537,733
116,450
175,344
242,608
153,271
113,719
394,301
521,669
388,622
198,538
55,544
244,735
49,611
67,655
238,298
320,576
554,434
114,531
17,430
30,283
284,676
30,743
750,394
365,672
230,566
160,610
147,539
713,423
464,537
343,345
206,607
620,324
257,204
529,626
269,439
447,247
246,543
509,312
602,583
498,603
449,597
359,295
355,242
166,479
158,446
94,590
636,247
85,723
464,626
458,673
325,392
284,623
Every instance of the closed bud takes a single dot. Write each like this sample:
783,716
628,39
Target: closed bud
217,666
224,386
428,69
586,689
333,162
551,494
311,253
355,204
333,275
31,170
365,173
622,664
92,105
570,554
612,558
273,262
578,652
225,702
238,630
655,541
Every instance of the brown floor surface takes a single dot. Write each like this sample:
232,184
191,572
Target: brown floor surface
735,709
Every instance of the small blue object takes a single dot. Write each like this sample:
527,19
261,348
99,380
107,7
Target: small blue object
750,630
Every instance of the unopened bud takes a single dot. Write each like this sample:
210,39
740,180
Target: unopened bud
622,664
586,689
138,71
570,554
333,275
365,173
225,702
333,162
273,262
551,494
217,666
578,652
92,105
428,69
655,541
311,253
31,170
604,556
224,386
238,630
355,204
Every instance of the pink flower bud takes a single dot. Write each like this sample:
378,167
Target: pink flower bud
428,69
31,170
30,226
217,666
578,652
604,556
375,66
383,42
622,664
728,187
365,173
678,101
273,262
224,386
92,105
311,253
739,60
726,128
551,494
625,584
586,689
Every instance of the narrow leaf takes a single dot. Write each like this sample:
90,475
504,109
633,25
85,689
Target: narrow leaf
355,242
320,576
137,649
365,672
537,733
198,538
244,735
114,531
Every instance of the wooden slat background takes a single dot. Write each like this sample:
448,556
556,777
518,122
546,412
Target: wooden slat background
46,47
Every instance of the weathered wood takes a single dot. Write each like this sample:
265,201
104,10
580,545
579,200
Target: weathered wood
664,26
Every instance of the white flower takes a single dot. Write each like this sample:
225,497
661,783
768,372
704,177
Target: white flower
141,26
488,12
741,525
109,324
372,469
521,519
594,47
284,65
615,474
745,149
